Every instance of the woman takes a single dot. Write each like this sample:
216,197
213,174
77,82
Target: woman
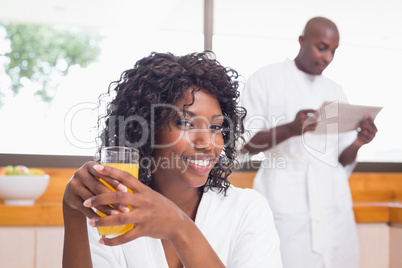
181,113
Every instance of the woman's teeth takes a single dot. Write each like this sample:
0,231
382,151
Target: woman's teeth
202,163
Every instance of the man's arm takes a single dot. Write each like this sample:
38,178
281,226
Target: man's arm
367,131
268,138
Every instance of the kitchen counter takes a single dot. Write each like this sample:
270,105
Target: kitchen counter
47,210
376,199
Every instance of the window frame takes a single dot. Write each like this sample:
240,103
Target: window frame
75,161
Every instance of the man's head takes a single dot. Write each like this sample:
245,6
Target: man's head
318,43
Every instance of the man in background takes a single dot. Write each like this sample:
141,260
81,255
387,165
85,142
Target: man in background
309,193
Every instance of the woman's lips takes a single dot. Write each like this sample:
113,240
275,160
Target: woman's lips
199,165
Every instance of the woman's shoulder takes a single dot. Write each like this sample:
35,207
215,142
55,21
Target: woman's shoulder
238,197
240,211
246,194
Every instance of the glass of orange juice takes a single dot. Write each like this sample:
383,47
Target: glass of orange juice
126,159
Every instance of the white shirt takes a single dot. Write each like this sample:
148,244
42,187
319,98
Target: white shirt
239,227
301,177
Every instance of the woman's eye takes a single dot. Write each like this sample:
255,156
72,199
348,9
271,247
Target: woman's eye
216,128
184,123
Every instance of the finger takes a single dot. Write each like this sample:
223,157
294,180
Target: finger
140,228
307,111
88,176
311,122
123,208
120,198
368,129
119,218
371,119
102,186
365,137
372,124
303,115
105,205
111,183
369,136
313,117
82,186
77,204
89,213
82,194
368,122
76,192
121,176
307,129
131,235
106,211
364,140
309,125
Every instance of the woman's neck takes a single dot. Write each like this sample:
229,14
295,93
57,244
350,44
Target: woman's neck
187,199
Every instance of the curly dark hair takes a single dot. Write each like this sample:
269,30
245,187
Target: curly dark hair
163,78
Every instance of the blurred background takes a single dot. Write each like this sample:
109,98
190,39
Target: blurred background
48,101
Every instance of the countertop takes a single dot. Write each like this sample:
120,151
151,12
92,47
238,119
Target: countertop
378,205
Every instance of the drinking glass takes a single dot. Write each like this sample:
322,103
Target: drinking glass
126,159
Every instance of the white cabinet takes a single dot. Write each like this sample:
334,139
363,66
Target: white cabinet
380,245
42,247
31,247
396,246
374,242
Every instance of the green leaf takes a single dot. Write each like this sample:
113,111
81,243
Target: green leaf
37,49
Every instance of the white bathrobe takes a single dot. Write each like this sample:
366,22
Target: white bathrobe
307,188
239,227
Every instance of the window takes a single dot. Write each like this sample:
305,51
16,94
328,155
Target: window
251,34
247,35
131,30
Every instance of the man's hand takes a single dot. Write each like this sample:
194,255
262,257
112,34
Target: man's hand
366,130
305,120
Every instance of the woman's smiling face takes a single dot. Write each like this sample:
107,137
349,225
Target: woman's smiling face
190,145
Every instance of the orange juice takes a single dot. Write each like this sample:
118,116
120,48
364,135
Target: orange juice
118,229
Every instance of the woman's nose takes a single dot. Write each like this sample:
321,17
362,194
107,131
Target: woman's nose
202,139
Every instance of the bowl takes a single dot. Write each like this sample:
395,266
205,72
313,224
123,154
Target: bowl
22,190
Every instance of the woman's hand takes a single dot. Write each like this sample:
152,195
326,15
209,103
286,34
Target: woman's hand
153,215
85,184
